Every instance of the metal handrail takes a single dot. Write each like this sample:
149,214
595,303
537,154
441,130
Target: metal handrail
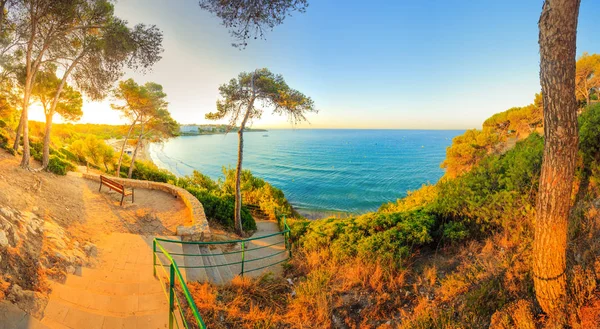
175,273
287,230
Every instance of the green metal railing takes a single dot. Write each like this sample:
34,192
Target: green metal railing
176,308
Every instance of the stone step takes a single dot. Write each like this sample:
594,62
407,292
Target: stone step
141,274
12,317
214,274
220,259
234,258
194,274
133,304
60,316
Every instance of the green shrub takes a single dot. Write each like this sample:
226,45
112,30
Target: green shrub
222,208
256,191
589,134
59,166
148,171
455,231
2,123
385,236
495,193
3,140
68,155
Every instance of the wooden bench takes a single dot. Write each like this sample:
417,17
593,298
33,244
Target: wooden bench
119,188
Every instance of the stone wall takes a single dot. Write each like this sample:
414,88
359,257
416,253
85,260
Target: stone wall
199,231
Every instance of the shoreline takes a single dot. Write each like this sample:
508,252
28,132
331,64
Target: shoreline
314,214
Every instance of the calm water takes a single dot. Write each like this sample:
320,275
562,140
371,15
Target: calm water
339,170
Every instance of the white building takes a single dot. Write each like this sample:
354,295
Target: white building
188,129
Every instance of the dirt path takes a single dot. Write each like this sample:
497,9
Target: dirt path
76,230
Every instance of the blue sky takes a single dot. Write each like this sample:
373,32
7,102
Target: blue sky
367,64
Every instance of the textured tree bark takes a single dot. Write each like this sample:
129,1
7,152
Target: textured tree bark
557,39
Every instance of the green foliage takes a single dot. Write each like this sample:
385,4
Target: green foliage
385,236
198,180
468,149
92,151
256,191
3,140
589,134
246,20
413,200
146,170
519,121
221,209
2,124
455,231
500,190
59,166
218,206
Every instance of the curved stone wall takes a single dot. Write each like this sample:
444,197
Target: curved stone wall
199,231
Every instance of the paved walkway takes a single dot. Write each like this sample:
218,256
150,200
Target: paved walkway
120,292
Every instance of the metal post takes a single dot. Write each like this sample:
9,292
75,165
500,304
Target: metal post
171,296
154,257
243,256
285,236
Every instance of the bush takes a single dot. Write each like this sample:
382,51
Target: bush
68,155
256,191
59,166
148,171
589,134
222,208
499,191
384,236
3,140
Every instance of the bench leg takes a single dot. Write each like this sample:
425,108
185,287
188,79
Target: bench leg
132,195
100,187
123,197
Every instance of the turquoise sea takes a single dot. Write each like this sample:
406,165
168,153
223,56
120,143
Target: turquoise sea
320,169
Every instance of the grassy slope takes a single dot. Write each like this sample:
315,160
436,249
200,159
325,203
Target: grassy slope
453,255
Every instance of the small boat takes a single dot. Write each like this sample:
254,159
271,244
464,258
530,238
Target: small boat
265,135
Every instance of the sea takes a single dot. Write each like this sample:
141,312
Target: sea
319,170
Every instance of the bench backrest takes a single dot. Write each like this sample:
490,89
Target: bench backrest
112,184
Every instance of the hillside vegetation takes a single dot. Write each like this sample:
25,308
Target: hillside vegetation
451,255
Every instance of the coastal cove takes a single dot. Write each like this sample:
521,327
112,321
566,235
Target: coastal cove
321,171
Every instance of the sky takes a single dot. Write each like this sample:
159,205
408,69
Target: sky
366,64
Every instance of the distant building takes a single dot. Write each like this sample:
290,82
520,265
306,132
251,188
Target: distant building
188,129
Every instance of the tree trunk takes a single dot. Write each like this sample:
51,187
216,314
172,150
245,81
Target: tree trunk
238,170
118,173
46,152
26,152
557,39
133,156
18,133
238,190
50,112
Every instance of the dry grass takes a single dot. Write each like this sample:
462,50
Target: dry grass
478,284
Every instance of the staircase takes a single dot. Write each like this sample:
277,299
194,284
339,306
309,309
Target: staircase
220,263
121,292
